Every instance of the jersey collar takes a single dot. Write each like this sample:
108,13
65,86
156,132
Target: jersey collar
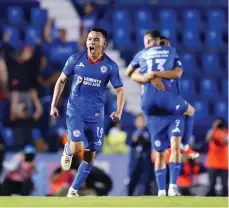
91,62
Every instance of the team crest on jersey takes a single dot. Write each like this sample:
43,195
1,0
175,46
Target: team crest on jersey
157,143
103,69
76,133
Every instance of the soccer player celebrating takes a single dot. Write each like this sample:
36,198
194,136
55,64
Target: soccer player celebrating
173,86
91,71
164,110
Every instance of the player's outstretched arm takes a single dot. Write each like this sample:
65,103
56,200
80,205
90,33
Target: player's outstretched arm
120,104
173,74
59,87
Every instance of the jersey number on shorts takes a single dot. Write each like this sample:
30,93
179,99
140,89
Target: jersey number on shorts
160,64
99,132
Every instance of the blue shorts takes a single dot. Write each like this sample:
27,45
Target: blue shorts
164,103
90,133
162,128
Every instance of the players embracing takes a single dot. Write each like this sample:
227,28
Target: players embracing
169,117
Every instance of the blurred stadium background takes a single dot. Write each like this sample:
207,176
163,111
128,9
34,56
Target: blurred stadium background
37,37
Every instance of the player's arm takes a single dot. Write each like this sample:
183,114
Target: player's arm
141,79
59,87
135,75
120,103
173,74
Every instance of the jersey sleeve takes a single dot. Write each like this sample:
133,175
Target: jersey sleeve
115,78
135,62
69,65
177,61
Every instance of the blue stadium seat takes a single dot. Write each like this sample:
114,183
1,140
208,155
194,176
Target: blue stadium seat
168,18
225,88
187,88
189,63
121,38
59,53
121,19
216,19
38,17
170,33
209,88
139,36
202,109
221,109
15,16
143,19
31,35
191,39
214,39
192,19
211,63
14,38
105,25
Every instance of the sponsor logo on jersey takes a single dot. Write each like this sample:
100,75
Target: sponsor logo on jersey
103,69
79,79
76,133
80,64
157,143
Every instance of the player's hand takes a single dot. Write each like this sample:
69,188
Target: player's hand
150,76
116,116
158,83
54,112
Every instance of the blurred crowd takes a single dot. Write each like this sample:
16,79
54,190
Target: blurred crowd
27,78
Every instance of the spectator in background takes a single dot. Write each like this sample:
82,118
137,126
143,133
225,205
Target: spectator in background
22,121
140,162
19,171
189,175
217,156
116,140
87,22
48,29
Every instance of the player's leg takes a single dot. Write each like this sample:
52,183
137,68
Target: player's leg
159,143
175,133
82,173
189,122
160,172
76,138
176,105
95,137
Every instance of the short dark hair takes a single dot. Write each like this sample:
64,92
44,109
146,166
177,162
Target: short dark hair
97,29
163,38
153,34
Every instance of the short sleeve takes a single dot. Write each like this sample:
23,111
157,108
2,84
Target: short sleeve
115,78
69,66
135,62
177,61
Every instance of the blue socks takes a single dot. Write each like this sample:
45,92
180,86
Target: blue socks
82,173
174,172
68,150
161,179
188,129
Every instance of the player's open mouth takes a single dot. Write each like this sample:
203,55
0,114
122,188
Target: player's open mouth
92,49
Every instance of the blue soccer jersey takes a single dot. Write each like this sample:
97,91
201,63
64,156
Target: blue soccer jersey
155,102
89,84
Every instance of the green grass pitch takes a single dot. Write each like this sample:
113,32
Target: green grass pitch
145,201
